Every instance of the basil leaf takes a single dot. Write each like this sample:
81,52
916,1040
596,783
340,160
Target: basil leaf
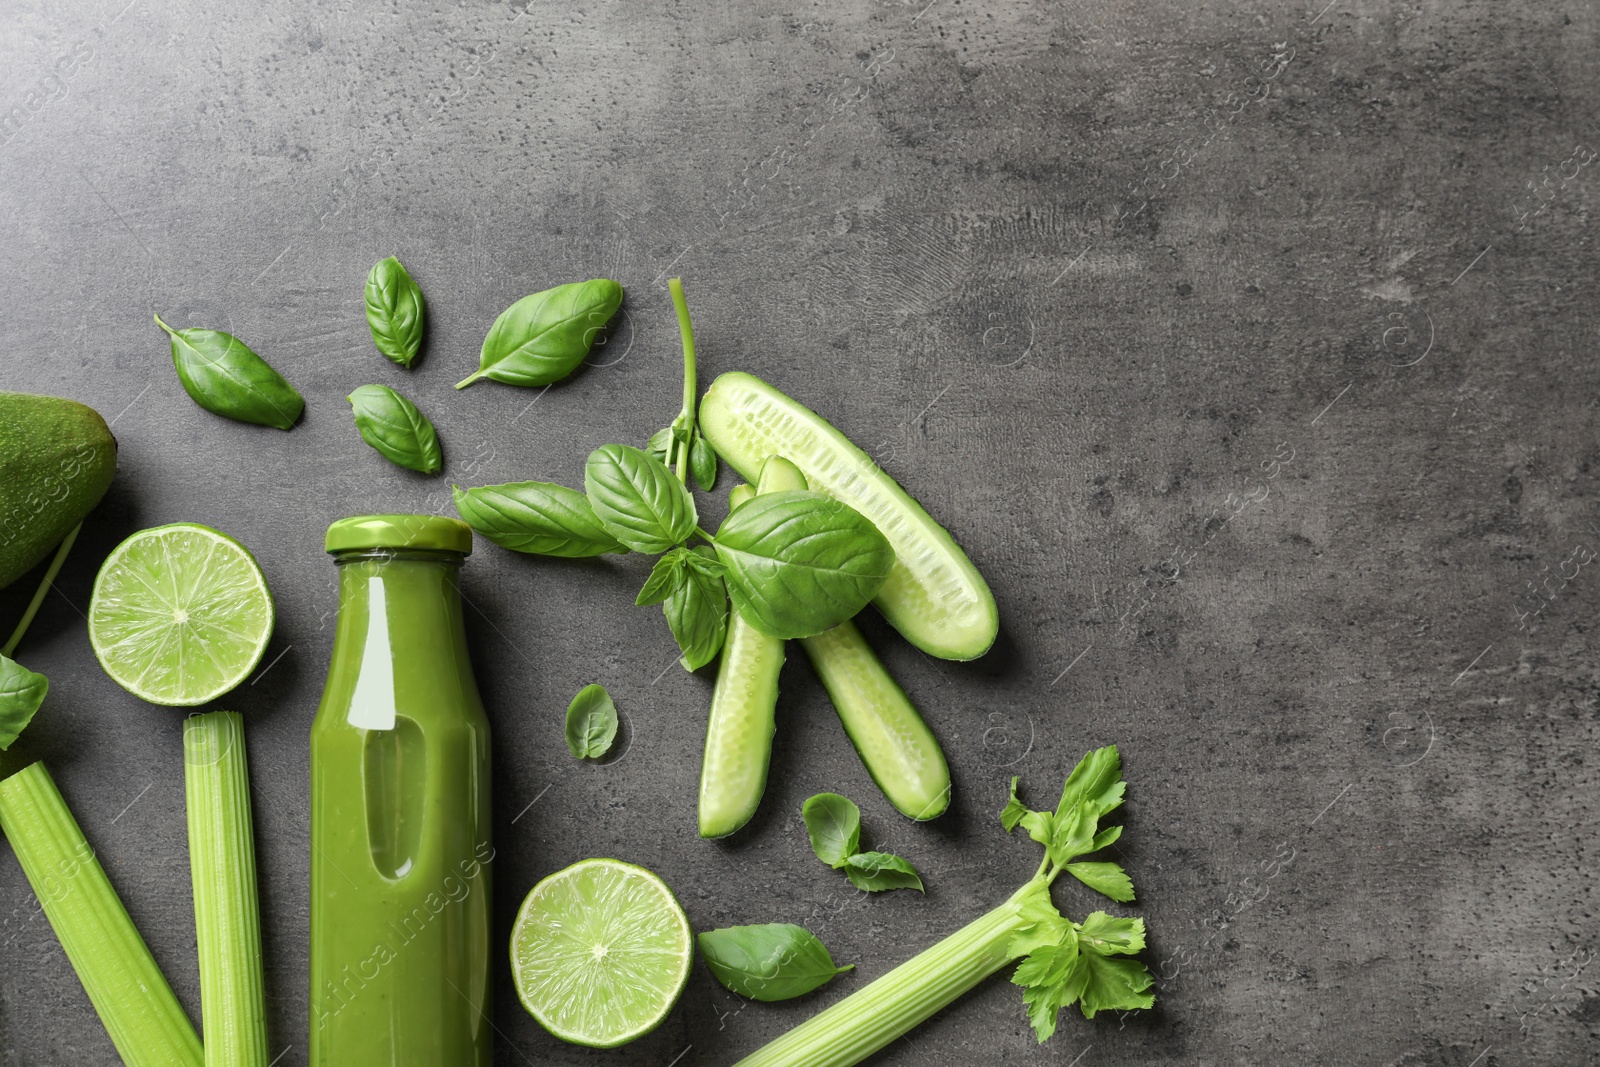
875,872
660,444
591,722
769,962
21,693
542,338
637,499
697,612
222,375
537,517
833,823
800,563
669,573
703,464
394,311
392,424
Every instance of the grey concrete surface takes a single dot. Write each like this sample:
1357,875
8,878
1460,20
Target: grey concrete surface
1247,348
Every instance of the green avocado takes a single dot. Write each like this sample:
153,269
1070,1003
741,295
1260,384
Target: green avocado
57,458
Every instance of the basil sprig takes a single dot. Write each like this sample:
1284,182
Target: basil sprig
768,962
222,375
395,310
794,563
543,337
833,823
392,424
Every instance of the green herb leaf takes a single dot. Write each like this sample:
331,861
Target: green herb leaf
669,573
1071,834
878,871
1110,936
542,338
1038,923
833,823
537,517
591,722
1014,810
1060,975
1113,985
1107,878
1105,837
703,464
222,375
1096,782
637,499
660,444
800,562
392,424
1040,825
697,611
769,962
394,311
21,693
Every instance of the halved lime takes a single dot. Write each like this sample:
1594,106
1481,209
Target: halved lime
600,952
180,614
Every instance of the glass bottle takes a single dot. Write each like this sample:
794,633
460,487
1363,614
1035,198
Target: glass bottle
400,846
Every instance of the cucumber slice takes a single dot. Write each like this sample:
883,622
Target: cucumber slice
897,747
934,595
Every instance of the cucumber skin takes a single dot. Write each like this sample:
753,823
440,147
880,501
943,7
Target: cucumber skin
733,775
893,741
903,599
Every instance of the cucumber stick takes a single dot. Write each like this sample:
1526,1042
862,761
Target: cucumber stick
897,747
934,595
743,716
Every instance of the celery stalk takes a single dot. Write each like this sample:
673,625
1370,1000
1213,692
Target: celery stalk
134,1001
1087,963
886,1009
222,861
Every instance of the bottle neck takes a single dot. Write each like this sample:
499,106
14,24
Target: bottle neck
400,625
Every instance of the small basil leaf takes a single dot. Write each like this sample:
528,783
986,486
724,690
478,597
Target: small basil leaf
537,517
392,424
21,693
703,464
222,375
660,444
769,962
833,823
542,338
394,311
875,872
669,573
591,722
637,499
697,612
800,562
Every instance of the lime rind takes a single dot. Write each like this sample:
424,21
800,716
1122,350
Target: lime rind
600,952
180,614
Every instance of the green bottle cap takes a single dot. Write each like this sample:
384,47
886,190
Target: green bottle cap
429,532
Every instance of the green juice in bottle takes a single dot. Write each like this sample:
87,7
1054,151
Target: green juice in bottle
400,847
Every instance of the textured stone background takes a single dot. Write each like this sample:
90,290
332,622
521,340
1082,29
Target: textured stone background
1245,347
